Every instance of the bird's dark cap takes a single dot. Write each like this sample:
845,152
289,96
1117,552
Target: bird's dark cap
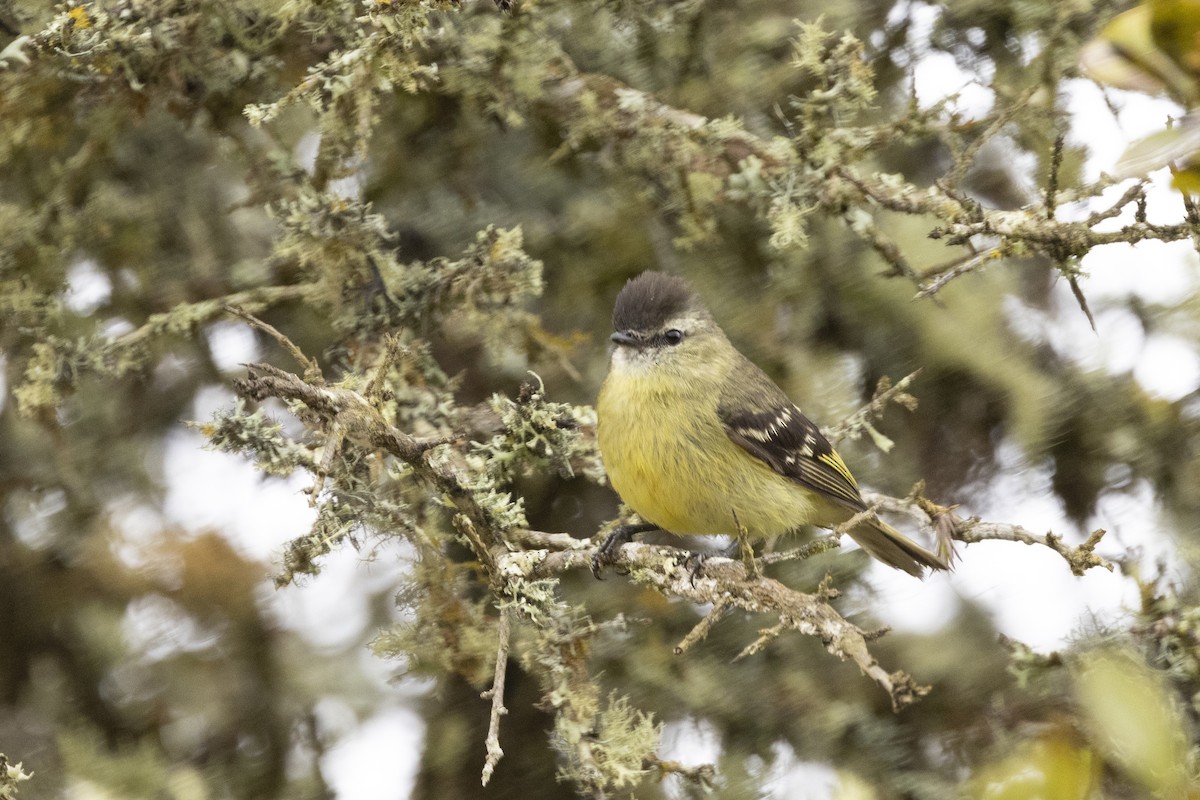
652,298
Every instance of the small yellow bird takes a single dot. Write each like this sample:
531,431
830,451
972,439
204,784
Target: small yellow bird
698,440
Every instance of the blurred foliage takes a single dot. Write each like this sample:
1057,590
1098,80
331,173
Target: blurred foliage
414,205
1155,48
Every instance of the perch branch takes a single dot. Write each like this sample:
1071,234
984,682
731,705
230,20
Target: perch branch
725,581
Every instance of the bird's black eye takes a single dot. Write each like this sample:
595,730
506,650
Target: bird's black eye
673,336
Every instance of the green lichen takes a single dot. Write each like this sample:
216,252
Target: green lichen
257,436
10,776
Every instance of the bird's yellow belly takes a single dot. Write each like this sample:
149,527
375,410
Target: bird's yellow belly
678,469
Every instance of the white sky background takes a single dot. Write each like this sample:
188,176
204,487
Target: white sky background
1029,590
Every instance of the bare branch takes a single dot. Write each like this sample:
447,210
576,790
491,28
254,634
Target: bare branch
496,695
311,369
943,275
931,517
1080,559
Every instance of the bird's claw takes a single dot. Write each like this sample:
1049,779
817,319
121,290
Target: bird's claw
695,564
606,553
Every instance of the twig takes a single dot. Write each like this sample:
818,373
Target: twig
700,630
463,524
496,695
965,158
393,350
884,245
745,548
1137,192
927,514
1080,559
943,275
818,545
312,370
852,425
703,775
765,637
1192,214
1056,157
329,451
190,315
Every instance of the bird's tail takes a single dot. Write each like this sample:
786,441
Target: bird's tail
894,548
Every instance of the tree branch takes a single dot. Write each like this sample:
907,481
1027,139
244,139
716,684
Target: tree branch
600,113
931,516
1080,559
726,583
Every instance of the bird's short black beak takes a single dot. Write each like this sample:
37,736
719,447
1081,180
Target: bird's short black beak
624,338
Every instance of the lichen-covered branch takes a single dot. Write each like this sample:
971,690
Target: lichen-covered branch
791,178
727,583
605,743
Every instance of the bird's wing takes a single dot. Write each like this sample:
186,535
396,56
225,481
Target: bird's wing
774,430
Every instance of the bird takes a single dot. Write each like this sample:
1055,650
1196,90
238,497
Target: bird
698,440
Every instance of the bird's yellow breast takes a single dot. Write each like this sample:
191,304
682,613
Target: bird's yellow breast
668,456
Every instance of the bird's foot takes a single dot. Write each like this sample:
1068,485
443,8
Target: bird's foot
695,563
606,553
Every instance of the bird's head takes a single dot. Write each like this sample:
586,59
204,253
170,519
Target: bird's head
659,320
